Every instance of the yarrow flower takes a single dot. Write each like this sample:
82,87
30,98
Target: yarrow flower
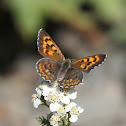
74,111
36,101
69,94
55,120
61,112
60,103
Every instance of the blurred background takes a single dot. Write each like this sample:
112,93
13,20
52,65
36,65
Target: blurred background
80,28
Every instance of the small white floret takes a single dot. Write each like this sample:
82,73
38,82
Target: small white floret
54,107
36,101
54,120
73,118
65,100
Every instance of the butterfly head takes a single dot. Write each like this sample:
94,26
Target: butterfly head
66,64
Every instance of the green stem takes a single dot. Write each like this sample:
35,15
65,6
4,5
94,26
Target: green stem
46,104
66,122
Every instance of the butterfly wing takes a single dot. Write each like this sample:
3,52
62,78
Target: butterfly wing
72,78
48,69
87,63
47,47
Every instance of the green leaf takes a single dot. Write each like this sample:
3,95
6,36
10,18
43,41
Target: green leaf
43,121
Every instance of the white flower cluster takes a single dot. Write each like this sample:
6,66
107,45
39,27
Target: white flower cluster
60,103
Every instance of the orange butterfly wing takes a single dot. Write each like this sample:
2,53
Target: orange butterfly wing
72,78
47,47
48,69
86,64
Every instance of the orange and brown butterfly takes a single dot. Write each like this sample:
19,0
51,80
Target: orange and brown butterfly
55,68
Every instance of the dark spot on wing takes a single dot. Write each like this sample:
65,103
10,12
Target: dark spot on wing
88,63
46,39
94,59
85,67
47,44
46,67
52,45
47,51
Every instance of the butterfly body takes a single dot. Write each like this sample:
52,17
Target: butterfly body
68,73
65,65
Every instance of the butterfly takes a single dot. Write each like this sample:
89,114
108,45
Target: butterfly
67,72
